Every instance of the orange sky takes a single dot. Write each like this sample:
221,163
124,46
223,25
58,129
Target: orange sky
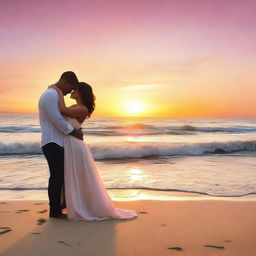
178,58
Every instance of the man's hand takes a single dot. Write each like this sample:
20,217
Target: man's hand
77,133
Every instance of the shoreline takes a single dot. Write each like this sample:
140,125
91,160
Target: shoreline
186,222
130,195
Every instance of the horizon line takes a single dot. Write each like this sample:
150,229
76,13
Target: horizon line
137,116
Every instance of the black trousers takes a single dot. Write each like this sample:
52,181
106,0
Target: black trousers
55,158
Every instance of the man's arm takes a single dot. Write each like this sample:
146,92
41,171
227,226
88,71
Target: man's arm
77,133
50,106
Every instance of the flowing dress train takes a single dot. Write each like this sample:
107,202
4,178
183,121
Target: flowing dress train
85,194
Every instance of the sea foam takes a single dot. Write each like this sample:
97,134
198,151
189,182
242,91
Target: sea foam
141,150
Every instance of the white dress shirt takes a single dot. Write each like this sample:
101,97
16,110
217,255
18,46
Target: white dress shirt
53,125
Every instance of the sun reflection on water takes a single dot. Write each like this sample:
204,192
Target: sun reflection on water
135,175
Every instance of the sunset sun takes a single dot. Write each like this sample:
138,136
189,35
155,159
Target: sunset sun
134,107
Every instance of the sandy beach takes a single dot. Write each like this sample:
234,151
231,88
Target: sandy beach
192,225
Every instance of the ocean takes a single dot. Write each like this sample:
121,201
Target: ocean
214,157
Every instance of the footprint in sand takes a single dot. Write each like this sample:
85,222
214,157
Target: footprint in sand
21,211
41,221
38,203
176,248
143,212
5,230
43,211
62,242
215,246
227,241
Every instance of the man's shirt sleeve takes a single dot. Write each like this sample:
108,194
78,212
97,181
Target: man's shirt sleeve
51,108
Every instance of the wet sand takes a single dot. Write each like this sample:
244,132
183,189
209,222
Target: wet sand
182,225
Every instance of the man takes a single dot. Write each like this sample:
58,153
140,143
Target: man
54,127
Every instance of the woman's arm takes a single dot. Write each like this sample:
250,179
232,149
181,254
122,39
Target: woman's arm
74,111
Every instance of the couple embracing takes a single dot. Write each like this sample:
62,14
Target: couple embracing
74,181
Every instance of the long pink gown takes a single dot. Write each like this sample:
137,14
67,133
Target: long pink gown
85,193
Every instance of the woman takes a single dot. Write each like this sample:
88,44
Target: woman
85,194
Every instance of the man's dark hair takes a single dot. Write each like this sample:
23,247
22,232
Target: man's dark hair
70,77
